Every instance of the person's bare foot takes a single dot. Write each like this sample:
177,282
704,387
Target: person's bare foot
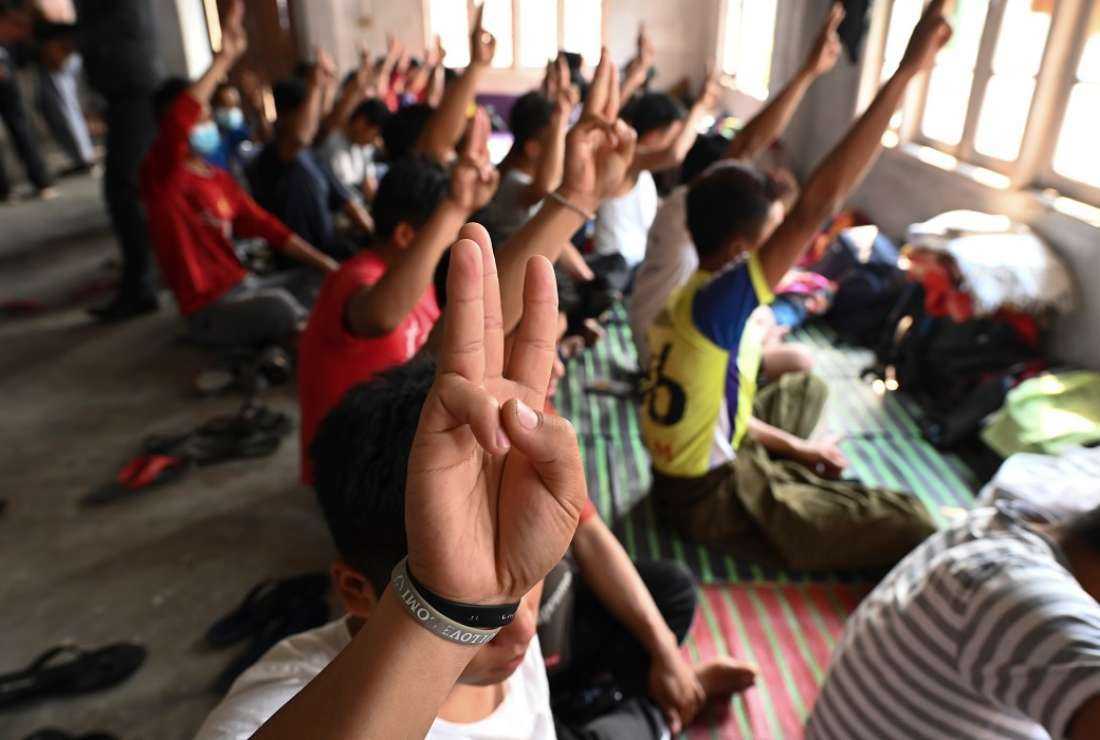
724,675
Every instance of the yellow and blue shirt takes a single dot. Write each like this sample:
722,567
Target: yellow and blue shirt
704,360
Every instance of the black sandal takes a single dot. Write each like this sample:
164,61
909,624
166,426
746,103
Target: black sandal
264,602
67,670
52,733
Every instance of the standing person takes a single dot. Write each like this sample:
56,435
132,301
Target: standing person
14,28
57,94
120,61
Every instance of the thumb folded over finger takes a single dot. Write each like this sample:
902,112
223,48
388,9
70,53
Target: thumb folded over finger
550,444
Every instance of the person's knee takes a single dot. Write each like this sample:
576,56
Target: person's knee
672,587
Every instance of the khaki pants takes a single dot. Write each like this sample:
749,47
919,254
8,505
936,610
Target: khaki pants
779,508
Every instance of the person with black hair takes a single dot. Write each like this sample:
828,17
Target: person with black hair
990,629
532,169
288,178
236,145
195,209
403,130
670,258
378,310
711,439
373,468
665,135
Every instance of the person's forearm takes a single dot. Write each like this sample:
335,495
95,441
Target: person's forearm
573,262
380,309
359,216
447,123
631,83
551,162
775,440
203,88
305,125
299,249
833,181
389,682
770,123
345,104
545,233
607,569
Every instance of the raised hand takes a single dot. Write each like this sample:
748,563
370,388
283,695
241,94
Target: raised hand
482,43
474,180
708,96
600,148
495,487
931,34
826,50
324,69
234,38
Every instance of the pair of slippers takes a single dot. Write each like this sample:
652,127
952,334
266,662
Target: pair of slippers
271,611
68,670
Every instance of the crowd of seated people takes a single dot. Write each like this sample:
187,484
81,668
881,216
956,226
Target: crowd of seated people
418,284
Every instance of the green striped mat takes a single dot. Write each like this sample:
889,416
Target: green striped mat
879,436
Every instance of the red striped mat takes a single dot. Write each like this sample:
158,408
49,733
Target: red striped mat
789,631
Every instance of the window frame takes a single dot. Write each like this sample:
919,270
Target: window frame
1054,80
722,44
516,68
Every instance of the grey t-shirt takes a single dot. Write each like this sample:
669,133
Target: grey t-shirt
506,212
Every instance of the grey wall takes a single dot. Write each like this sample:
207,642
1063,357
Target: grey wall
901,190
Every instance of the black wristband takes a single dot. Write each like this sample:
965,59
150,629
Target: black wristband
476,616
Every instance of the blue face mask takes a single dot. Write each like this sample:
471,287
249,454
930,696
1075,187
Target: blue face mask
229,118
204,138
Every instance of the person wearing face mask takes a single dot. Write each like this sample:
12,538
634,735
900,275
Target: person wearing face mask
234,135
196,210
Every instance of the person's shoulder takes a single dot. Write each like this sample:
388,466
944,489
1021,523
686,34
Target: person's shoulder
273,681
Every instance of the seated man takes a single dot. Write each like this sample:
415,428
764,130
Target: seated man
362,456
352,148
990,629
194,211
379,309
288,179
710,438
670,258
236,137
665,135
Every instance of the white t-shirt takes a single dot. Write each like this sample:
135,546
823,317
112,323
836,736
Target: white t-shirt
286,669
622,223
505,213
670,259
350,163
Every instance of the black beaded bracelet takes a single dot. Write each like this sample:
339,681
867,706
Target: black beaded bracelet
476,616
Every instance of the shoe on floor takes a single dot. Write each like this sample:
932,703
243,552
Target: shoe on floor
122,309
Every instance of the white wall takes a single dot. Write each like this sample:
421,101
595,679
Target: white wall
901,190
182,41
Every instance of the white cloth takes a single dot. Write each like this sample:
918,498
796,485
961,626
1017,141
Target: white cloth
670,259
286,669
350,163
622,224
1055,487
1002,263
506,213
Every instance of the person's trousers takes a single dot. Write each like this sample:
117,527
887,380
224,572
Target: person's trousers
254,314
131,127
59,104
775,508
601,648
14,113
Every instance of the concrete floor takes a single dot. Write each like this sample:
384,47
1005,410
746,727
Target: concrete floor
156,569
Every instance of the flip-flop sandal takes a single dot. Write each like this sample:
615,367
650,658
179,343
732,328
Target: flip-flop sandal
51,733
302,615
262,603
141,474
67,670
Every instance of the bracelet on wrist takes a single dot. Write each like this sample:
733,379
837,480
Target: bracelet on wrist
566,203
442,622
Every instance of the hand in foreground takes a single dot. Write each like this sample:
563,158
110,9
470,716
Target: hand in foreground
495,487
600,148
826,49
676,689
482,43
474,180
931,34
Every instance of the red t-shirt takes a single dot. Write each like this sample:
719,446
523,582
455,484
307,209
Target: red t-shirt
193,216
331,359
